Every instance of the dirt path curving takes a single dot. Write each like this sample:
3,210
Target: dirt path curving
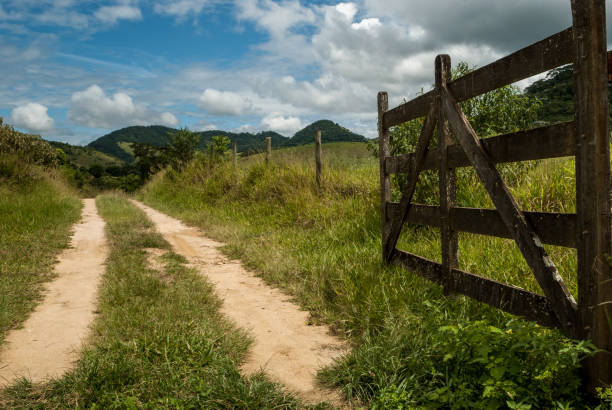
50,341
288,349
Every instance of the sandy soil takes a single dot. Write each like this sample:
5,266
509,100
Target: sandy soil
288,349
50,340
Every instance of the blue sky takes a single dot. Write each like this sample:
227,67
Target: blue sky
73,70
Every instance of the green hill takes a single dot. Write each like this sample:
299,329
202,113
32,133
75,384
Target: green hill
556,91
116,144
109,143
330,132
86,156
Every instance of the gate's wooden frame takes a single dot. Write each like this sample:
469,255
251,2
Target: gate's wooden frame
586,138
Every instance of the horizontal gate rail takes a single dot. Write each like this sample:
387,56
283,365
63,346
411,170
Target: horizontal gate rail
553,141
553,228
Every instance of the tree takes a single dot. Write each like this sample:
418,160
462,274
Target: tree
149,159
182,147
220,145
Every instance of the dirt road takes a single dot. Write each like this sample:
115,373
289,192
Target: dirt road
50,340
288,349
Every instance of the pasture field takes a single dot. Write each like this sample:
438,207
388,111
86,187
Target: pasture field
413,346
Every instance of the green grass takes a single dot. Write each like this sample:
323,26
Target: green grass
35,220
323,246
159,341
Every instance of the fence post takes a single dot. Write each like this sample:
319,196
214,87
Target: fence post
592,185
210,155
447,176
318,157
268,149
234,153
385,182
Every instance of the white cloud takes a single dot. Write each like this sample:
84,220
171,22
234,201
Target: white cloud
33,117
223,102
282,125
180,8
110,14
93,108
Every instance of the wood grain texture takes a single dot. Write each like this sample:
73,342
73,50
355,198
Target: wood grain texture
527,240
593,183
553,141
383,153
553,228
500,295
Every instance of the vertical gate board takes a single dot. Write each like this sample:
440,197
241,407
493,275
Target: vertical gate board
385,183
592,182
447,176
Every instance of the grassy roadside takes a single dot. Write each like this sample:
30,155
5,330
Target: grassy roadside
35,220
414,347
159,341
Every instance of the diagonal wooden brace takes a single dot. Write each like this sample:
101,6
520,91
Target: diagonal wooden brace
413,175
561,301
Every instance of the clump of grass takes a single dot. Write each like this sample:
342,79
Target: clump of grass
157,343
35,220
323,246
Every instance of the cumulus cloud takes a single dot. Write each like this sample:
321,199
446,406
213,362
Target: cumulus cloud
223,102
281,124
93,108
33,117
110,14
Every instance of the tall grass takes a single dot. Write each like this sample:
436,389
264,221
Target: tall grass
35,219
413,346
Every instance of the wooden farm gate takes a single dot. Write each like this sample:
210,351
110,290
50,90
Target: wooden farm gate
586,138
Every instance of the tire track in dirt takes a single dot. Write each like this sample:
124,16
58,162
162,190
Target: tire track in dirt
50,340
285,347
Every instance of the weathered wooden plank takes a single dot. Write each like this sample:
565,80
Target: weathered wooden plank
552,141
447,183
408,111
536,58
385,183
552,228
593,184
318,155
527,240
499,295
411,180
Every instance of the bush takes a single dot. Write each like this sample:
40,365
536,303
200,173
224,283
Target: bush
30,149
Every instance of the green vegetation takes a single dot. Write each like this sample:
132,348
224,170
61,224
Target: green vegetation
159,341
556,91
37,209
413,346
86,157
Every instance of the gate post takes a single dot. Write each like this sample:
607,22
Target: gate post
385,182
592,185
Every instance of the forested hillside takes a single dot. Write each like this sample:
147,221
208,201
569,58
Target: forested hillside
330,132
556,92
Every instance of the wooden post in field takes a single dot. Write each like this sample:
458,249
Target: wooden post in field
318,152
385,182
592,185
211,153
234,153
268,149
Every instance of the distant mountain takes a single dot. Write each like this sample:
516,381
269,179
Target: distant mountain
330,132
86,156
117,142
